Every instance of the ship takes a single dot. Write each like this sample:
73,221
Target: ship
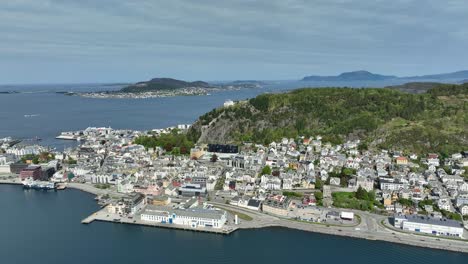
38,185
67,136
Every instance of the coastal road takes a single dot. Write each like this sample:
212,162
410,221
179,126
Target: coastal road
371,227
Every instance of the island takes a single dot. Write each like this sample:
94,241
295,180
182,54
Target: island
378,164
168,87
363,75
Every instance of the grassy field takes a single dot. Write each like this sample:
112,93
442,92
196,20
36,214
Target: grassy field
349,200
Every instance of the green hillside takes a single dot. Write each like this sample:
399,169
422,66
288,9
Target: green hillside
386,118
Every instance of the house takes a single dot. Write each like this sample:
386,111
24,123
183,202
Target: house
333,215
463,187
254,204
335,181
462,199
365,183
464,209
433,159
401,161
387,198
277,205
391,184
445,204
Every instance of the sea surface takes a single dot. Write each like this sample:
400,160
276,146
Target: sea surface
44,227
38,111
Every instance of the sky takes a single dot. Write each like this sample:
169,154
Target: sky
85,41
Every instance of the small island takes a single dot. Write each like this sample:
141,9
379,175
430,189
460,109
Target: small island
168,87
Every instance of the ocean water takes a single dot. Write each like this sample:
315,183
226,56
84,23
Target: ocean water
44,227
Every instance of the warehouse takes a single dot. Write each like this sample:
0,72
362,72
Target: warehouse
429,225
193,217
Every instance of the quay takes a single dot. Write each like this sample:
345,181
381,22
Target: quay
103,216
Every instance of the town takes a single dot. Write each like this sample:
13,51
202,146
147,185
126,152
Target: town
220,188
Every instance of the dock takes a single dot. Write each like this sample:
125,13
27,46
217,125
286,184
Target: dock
103,216
88,220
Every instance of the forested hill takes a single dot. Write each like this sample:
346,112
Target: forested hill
387,118
162,84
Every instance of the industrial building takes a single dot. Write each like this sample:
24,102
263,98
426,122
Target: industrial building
218,148
429,225
191,190
192,217
32,171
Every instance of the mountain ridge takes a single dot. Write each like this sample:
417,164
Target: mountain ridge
363,75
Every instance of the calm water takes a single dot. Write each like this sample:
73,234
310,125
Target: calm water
44,227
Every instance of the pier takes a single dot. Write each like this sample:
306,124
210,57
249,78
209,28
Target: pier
103,216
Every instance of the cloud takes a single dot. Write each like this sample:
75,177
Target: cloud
394,37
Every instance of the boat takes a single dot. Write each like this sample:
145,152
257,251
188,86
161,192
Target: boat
31,115
61,187
29,183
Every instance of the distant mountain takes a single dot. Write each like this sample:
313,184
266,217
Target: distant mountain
157,84
351,76
444,76
368,76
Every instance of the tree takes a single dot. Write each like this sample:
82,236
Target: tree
35,160
318,196
362,194
214,158
348,171
318,183
362,147
266,170
405,202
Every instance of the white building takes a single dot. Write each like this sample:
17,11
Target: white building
429,225
464,209
228,103
445,204
186,217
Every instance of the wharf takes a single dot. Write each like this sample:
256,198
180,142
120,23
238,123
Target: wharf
103,216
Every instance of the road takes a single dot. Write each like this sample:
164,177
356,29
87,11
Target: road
370,227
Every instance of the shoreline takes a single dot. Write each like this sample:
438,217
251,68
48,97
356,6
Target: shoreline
381,233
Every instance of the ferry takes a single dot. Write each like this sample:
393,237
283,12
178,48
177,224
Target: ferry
38,185
67,136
